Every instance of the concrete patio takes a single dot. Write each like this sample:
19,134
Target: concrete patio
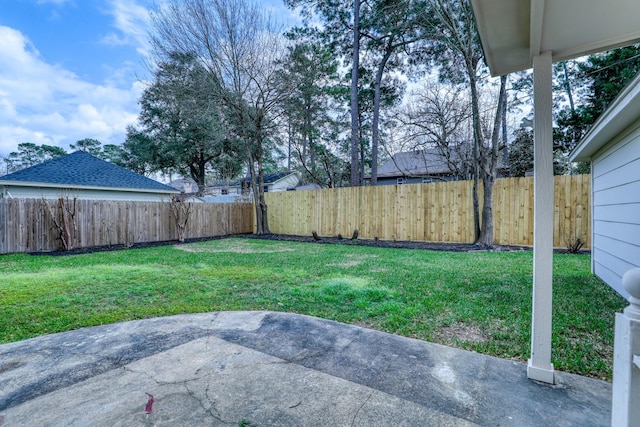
275,369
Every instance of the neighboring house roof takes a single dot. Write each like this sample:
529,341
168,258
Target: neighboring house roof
276,176
269,178
417,163
82,170
185,185
514,31
623,111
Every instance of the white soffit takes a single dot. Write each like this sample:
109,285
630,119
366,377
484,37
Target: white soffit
514,31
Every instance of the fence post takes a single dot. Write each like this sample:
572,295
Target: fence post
625,410
4,228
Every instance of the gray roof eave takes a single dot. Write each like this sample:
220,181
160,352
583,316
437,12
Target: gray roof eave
12,183
622,113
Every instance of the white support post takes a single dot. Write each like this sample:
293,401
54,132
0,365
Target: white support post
540,367
625,402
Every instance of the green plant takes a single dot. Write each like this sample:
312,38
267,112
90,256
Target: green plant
574,245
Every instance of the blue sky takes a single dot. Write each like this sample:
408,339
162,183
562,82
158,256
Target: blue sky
72,69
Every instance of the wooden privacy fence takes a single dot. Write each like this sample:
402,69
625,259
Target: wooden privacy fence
26,225
437,212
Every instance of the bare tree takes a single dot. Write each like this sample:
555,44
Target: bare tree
240,46
437,118
64,220
458,52
181,211
488,170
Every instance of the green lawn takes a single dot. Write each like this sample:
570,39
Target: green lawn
479,301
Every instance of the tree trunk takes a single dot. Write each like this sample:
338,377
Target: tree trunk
202,171
486,232
362,160
489,172
197,172
375,131
262,204
477,141
254,190
505,142
567,87
354,94
257,183
289,138
312,151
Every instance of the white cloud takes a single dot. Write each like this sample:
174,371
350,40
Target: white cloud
46,104
281,14
132,23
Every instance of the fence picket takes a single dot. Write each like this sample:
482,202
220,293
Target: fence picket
26,224
432,212
440,211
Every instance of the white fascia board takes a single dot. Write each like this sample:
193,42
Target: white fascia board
512,32
622,113
11,183
573,52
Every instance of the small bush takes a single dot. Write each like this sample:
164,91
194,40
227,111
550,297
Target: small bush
574,245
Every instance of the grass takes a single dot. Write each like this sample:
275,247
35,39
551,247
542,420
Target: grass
479,301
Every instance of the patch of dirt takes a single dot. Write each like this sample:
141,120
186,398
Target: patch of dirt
461,332
353,260
404,244
578,339
237,247
130,246
438,246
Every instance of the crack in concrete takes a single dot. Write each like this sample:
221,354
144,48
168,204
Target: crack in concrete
373,388
163,383
212,407
210,411
92,361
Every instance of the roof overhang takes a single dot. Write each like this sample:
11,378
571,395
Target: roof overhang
514,31
296,173
11,183
619,116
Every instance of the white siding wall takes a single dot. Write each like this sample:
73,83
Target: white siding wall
616,208
54,193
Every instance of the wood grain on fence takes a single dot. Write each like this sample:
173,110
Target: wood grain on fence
26,225
437,212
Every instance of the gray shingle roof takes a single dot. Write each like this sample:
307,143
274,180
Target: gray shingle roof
416,163
83,169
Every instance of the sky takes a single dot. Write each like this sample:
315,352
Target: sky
73,69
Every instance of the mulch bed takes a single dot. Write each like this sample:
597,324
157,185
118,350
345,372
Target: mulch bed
434,246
